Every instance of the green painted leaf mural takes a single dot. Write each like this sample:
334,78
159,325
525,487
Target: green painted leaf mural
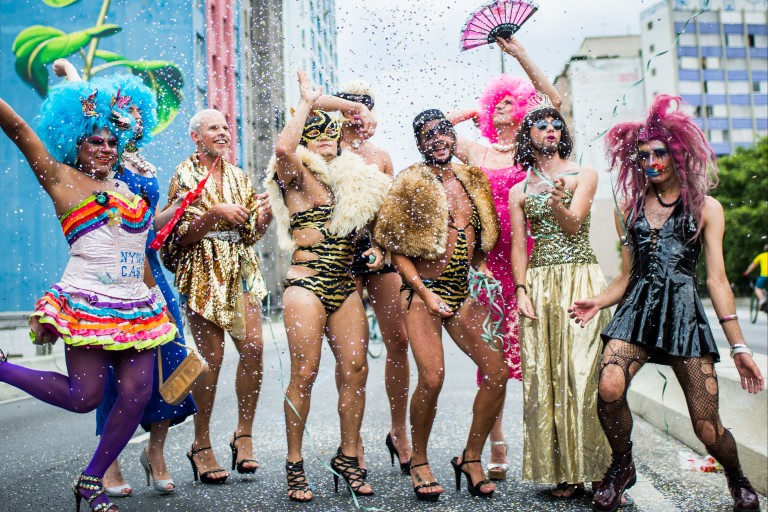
59,3
37,46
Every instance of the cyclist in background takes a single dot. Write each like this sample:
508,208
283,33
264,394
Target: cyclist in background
761,284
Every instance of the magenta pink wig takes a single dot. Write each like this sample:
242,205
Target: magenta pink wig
498,89
693,157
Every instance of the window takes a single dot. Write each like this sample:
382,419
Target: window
651,48
710,111
755,86
697,112
706,86
751,40
703,63
653,71
650,25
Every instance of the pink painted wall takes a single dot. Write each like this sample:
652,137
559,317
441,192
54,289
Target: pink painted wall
221,63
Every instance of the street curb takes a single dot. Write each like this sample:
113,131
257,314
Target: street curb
746,415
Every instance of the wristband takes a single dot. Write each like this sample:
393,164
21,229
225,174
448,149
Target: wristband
521,286
740,348
728,318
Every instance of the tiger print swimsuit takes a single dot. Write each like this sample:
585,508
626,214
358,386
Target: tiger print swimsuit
453,284
333,282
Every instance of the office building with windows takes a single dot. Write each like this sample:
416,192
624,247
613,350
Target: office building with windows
719,65
309,35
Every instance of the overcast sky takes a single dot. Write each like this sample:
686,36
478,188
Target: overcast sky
409,51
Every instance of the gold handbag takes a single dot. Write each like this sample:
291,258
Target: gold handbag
178,385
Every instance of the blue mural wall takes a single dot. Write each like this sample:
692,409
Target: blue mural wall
34,251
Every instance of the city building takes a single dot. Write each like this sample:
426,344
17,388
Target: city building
719,64
599,89
309,30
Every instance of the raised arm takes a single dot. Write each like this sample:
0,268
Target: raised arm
513,47
289,165
64,68
350,108
571,218
582,311
466,150
47,170
722,297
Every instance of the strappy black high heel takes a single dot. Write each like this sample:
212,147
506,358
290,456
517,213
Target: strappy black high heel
204,477
93,484
405,467
425,496
241,468
474,489
3,357
297,481
349,468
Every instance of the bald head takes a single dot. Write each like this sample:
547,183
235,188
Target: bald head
205,116
210,132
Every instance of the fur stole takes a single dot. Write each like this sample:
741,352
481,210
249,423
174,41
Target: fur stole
359,190
414,219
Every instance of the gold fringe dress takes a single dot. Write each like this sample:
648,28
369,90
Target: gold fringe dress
216,271
562,437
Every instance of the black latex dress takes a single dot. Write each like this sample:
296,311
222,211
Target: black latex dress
661,308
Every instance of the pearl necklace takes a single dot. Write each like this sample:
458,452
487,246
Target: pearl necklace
503,149
137,160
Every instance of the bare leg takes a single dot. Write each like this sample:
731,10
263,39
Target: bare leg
248,380
158,433
384,291
498,451
465,329
209,339
113,477
425,332
305,319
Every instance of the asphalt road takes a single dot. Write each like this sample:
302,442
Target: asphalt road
43,448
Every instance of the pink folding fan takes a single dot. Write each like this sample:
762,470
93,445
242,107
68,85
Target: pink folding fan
498,18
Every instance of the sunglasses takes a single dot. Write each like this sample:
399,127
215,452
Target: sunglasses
442,128
542,124
658,154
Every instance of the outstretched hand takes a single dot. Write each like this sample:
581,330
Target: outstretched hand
582,311
510,46
751,378
525,307
308,93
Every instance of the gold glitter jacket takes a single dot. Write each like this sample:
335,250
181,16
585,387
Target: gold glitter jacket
414,219
358,188
214,272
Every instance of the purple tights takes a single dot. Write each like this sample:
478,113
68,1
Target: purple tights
81,392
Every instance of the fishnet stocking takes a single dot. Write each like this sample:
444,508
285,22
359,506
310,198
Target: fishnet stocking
620,362
698,379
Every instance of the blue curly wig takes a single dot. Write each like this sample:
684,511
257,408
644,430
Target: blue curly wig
141,96
62,124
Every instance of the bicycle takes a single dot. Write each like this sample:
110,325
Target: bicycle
375,340
754,303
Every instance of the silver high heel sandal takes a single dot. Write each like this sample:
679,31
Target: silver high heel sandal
497,471
160,486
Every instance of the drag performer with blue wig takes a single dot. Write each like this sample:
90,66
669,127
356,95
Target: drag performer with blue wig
141,178
101,307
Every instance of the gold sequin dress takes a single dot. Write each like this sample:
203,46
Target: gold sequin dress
562,437
215,272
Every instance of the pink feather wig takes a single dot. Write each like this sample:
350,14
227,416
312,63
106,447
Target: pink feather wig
693,158
498,89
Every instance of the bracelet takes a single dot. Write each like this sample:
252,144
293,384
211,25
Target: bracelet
728,318
740,348
521,286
